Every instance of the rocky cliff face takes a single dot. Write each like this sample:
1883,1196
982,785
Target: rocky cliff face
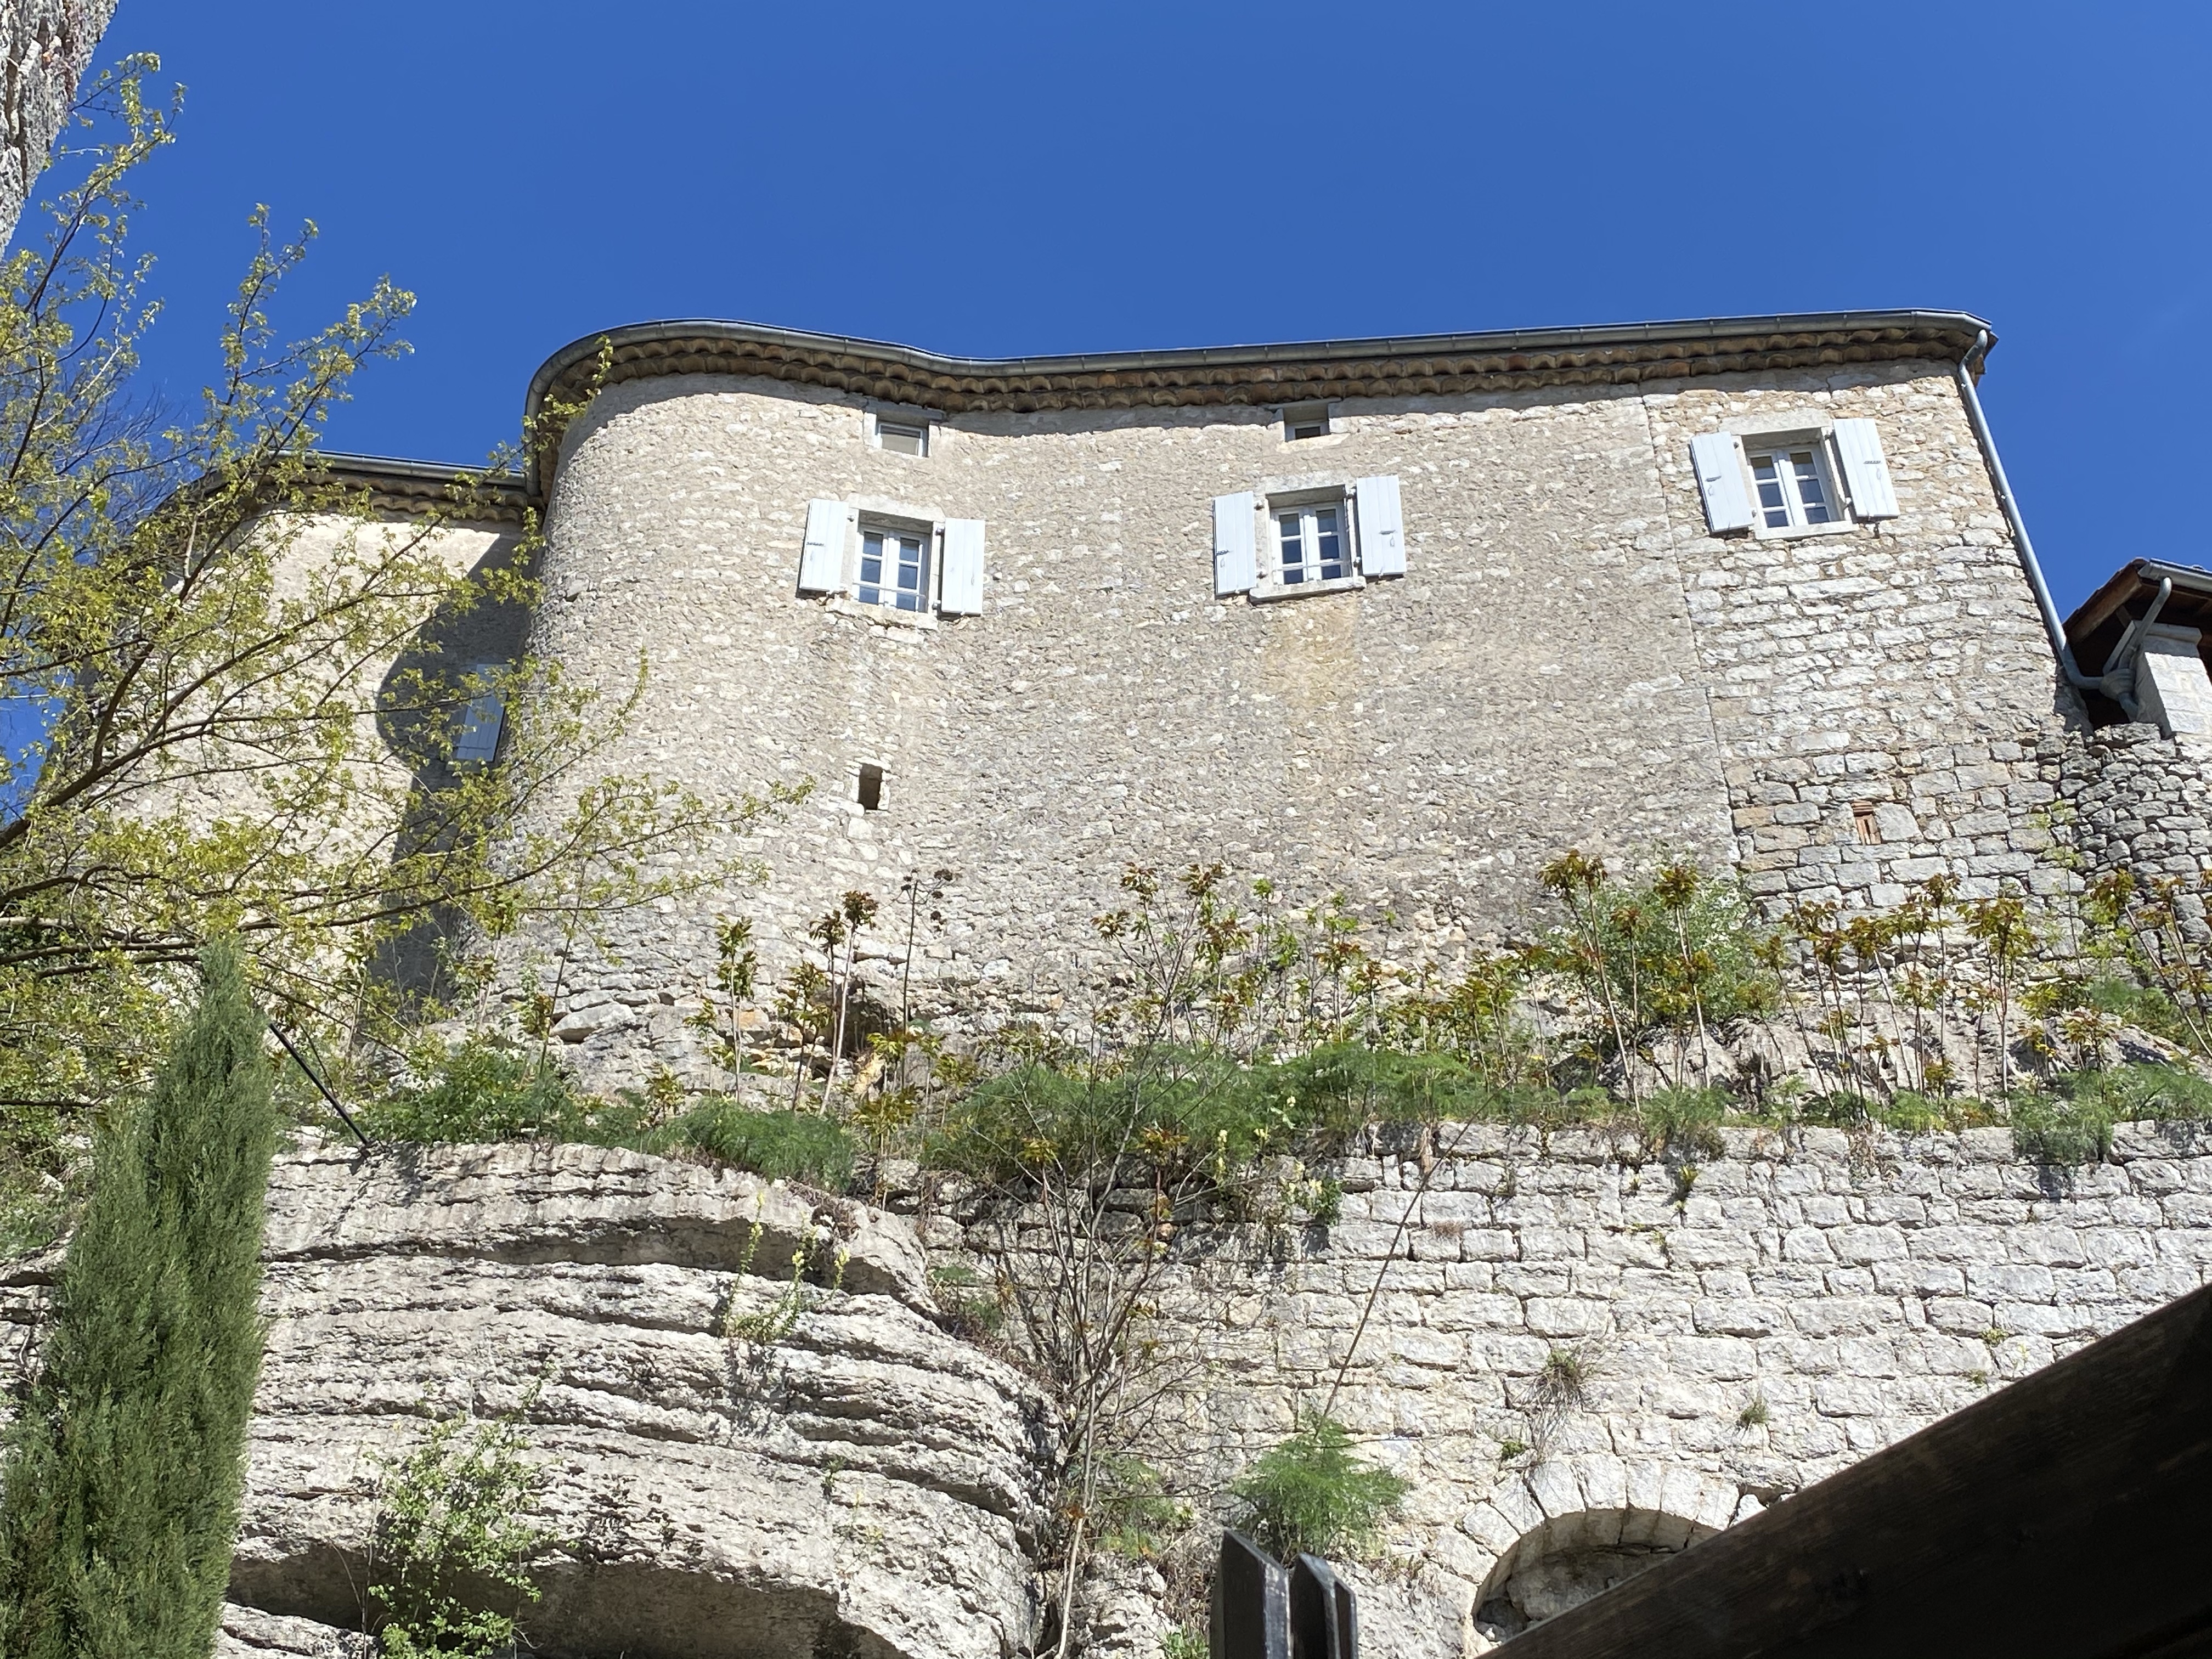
863,1485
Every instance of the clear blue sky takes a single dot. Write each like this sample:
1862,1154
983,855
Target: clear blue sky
1055,177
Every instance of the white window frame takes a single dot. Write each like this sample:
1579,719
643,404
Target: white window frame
1304,423
1307,505
884,525
1819,443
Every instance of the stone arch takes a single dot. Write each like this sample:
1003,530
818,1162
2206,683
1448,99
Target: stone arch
1561,1533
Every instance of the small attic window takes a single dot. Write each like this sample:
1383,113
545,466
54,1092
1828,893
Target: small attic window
871,792
1305,420
902,434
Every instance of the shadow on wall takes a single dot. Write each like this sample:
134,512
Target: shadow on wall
426,732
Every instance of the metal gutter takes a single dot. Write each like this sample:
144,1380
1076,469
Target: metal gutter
2022,544
1213,374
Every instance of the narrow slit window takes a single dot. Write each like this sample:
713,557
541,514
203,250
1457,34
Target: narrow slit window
1864,825
895,569
1311,544
871,787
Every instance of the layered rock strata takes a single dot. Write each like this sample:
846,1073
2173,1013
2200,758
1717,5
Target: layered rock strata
860,1483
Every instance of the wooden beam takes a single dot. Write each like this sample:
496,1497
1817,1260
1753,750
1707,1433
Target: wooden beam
2069,1513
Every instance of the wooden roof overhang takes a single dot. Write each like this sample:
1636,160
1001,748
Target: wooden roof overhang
2097,623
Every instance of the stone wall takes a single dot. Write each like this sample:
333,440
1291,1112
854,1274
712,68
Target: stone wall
1570,659
46,46
1744,1326
1741,1327
2138,801
1880,696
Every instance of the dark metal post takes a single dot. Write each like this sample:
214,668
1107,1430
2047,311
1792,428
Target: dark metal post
1251,1603
321,1088
1324,1613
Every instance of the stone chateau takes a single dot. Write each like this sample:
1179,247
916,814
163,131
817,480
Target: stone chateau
1400,618
1397,618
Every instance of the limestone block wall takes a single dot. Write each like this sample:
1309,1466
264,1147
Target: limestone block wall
1742,1327
2137,799
1570,659
1878,694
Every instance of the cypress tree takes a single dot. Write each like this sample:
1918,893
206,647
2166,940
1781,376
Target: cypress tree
124,1471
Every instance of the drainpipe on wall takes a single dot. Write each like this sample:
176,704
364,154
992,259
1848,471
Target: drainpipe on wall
2051,625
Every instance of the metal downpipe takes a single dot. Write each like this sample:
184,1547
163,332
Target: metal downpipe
2051,624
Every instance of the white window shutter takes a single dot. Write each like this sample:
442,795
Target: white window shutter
1718,458
822,563
1866,471
961,593
1235,552
1382,527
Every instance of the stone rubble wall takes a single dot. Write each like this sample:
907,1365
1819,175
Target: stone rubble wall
46,46
1569,659
870,1481
2136,800
1879,694
1849,1289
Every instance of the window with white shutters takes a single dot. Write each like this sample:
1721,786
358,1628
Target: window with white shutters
1800,481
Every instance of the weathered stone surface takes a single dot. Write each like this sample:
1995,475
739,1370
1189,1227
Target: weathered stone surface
1815,1299
863,1479
250,1633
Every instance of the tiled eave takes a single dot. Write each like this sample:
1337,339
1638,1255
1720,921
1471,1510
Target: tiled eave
1229,376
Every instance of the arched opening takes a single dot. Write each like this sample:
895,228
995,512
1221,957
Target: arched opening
1564,1562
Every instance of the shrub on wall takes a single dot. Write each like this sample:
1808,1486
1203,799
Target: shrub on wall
124,1472
1312,1494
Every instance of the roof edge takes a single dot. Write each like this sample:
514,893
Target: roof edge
1229,376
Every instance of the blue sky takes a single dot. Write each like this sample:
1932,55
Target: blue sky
1000,179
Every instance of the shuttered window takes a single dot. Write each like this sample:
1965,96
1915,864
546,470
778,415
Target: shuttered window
1778,482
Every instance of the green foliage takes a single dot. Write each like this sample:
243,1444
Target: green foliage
2075,1126
1184,1642
785,1145
249,706
123,1473
1660,963
1133,1513
485,1090
455,1543
1312,1493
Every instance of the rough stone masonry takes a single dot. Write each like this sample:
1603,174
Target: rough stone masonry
1546,628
